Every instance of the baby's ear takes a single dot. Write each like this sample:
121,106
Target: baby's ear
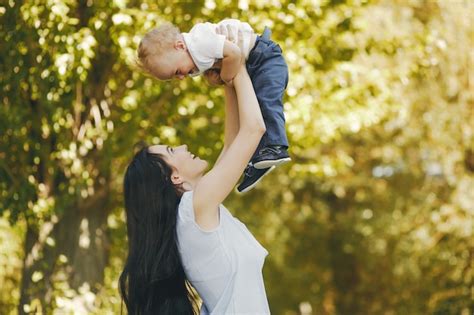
180,45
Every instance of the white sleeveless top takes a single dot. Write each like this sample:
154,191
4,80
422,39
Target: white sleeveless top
224,265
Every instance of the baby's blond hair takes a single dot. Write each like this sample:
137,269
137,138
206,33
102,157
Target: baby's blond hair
155,43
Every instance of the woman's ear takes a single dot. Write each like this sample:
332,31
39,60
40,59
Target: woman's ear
180,185
176,179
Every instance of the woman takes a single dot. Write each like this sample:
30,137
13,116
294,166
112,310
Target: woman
178,230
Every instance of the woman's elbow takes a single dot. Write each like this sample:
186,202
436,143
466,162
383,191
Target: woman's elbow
257,126
255,131
261,128
258,130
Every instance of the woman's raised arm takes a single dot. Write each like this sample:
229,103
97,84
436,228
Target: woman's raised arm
216,185
231,125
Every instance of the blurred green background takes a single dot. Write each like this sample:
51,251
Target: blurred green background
375,214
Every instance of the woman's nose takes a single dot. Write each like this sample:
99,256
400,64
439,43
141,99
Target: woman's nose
185,147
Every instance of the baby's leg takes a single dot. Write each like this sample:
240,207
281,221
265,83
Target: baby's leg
269,83
269,74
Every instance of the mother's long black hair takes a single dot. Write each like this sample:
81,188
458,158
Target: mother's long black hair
153,279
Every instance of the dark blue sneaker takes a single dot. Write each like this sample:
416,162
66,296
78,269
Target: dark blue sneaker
252,176
272,155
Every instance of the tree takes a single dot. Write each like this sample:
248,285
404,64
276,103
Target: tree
373,216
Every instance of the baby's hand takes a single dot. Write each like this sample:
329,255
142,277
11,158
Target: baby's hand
213,77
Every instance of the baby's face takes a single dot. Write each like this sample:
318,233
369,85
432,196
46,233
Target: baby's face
175,64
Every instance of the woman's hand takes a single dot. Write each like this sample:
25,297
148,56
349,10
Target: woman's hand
234,35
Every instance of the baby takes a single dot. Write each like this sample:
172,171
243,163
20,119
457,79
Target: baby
166,53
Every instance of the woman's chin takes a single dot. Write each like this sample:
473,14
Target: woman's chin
203,165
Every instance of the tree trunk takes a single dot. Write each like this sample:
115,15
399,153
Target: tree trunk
80,235
344,264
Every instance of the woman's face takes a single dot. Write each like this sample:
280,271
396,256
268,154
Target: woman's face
185,164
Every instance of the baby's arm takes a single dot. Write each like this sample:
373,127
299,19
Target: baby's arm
213,77
230,62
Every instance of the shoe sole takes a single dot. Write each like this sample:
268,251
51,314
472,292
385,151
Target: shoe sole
270,163
254,184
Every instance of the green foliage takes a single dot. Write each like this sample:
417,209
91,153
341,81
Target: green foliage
375,214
